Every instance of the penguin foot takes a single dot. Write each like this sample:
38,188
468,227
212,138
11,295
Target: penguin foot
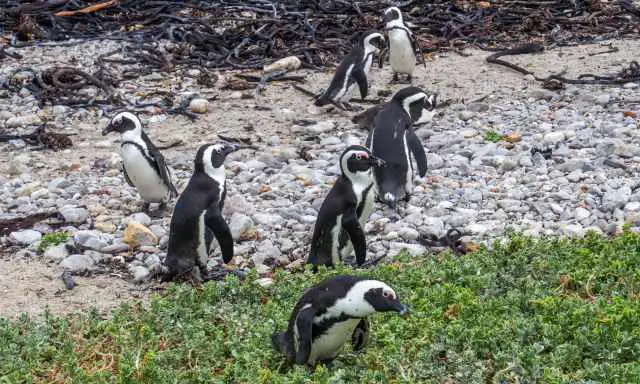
395,78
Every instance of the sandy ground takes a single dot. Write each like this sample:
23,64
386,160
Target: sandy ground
32,286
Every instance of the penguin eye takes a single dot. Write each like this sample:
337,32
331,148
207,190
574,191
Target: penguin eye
386,294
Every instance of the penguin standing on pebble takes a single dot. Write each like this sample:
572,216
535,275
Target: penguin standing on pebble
353,69
144,167
345,211
393,139
332,313
197,216
402,44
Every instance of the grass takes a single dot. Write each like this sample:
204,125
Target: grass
529,311
52,239
493,136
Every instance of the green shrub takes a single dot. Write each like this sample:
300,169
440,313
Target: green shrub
529,311
52,239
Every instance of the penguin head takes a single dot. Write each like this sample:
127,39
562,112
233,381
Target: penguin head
123,122
358,159
392,14
383,298
372,41
413,100
212,156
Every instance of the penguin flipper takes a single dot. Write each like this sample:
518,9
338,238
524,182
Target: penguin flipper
351,224
163,170
215,222
418,152
126,176
304,326
360,335
359,76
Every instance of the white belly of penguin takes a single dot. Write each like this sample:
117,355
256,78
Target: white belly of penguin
148,183
364,217
401,55
203,255
331,342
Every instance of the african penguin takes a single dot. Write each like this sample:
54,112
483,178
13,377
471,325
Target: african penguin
393,139
332,313
197,216
402,44
353,69
345,211
143,165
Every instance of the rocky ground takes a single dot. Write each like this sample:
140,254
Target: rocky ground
581,174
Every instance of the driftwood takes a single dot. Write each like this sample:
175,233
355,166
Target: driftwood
24,222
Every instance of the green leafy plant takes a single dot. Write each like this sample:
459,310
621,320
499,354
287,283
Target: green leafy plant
52,239
528,311
493,136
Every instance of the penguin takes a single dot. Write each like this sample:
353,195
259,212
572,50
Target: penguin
143,165
402,44
393,139
197,216
353,69
332,313
345,211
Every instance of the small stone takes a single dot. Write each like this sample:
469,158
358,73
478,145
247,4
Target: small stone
553,137
581,213
434,161
78,263
412,249
140,274
25,237
630,85
286,245
265,251
74,215
153,263
199,105
478,107
92,239
408,233
267,219
603,99
39,193
105,226
542,94
432,226
265,282
57,252
616,198
140,217
633,206
136,235
513,137
239,224
22,121
466,115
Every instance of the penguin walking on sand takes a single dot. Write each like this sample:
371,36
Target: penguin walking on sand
331,314
402,44
353,69
393,139
197,216
345,211
144,167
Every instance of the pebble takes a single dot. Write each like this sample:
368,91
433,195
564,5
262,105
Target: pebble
140,273
25,237
265,282
74,215
56,253
92,239
23,121
78,264
466,115
413,249
136,235
240,224
199,105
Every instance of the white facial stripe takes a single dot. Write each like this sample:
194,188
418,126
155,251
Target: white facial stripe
399,13
354,303
412,99
368,47
216,174
217,147
130,116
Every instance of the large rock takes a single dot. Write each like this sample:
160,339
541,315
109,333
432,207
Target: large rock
25,237
136,235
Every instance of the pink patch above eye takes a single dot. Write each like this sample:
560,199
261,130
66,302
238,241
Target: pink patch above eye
362,154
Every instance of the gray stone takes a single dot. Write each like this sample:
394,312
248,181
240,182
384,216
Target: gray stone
408,233
553,137
581,213
286,245
140,274
265,251
542,94
265,282
471,195
78,263
266,219
432,226
22,121
74,215
239,224
603,99
141,218
25,237
57,252
434,161
466,115
92,239
153,262
478,107
413,249
616,198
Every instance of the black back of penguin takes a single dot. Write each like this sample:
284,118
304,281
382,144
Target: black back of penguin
393,139
204,195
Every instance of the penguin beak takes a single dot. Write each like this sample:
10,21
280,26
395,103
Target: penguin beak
402,310
377,162
107,129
